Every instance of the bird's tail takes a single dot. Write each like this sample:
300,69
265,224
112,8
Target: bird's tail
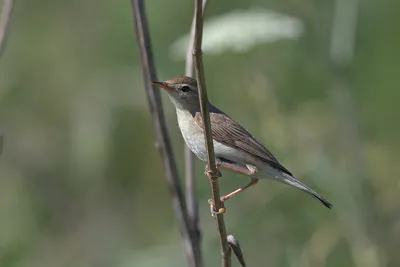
290,180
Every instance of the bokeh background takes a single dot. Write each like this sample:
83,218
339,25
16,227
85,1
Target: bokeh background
81,182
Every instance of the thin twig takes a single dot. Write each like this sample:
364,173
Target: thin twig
191,202
212,168
189,52
5,18
162,136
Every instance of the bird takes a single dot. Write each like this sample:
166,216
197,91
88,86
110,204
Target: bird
235,148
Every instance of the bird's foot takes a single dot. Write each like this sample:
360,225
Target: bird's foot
209,173
213,210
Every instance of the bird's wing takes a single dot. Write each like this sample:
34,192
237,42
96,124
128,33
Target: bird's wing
228,132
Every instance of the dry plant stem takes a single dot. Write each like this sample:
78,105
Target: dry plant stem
162,137
191,203
212,168
5,18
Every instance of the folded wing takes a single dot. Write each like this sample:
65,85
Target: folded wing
228,132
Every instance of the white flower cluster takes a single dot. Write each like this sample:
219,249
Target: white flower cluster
241,30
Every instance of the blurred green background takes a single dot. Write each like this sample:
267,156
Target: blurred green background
81,182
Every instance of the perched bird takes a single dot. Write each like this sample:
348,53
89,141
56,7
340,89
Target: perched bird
235,148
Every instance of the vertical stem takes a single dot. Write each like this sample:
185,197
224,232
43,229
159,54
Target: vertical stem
212,171
191,202
5,18
342,48
189,156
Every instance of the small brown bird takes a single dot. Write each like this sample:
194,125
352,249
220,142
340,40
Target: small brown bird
235,148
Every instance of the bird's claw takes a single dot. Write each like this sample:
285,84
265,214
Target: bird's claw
209,173
214,212
218,164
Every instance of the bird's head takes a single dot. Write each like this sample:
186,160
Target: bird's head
182,91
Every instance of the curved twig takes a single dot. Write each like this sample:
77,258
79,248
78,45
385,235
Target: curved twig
162,136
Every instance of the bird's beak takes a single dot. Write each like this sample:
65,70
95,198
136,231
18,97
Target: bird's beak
163,85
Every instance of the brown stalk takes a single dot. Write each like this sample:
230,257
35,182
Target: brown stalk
212,171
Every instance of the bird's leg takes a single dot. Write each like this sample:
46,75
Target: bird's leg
207,170
208,173
246,170
241,169
252,182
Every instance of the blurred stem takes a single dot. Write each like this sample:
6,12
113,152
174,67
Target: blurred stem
5,18
341,55
211,166
191,202
162,137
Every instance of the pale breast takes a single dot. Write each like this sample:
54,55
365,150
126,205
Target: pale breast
191,133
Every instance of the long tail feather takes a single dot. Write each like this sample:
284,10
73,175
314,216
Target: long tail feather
290,180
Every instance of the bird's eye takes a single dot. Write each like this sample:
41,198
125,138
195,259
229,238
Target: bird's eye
185,88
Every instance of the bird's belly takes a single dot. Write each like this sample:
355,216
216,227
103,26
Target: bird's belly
195,141
193,136
196,145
